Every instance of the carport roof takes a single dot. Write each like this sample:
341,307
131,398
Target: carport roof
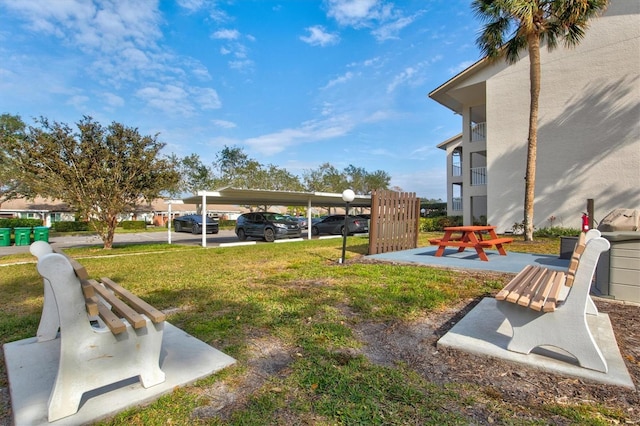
274,198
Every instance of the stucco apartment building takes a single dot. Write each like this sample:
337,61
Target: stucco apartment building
588,130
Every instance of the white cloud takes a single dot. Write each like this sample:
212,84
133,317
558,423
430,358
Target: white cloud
386,20
311,131
224,124
319,37
207,98
168,98
401,78
78,101
242,65
177,100
355,12
392,29
113,100
339,80
191,5
226,35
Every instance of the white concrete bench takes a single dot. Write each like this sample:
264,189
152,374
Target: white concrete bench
106,333
548,307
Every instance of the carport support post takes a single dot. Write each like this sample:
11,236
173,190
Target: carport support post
309,219
204,219
348,196
170,203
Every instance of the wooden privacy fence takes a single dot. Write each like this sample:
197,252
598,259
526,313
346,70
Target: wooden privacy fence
394,221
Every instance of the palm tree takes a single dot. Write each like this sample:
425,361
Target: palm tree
512,26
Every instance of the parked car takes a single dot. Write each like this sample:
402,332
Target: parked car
266,225
334,224
193,223
303,221
317,219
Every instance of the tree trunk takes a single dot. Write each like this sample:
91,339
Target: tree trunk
112,223
532,141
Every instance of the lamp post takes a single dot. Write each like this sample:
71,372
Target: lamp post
348,196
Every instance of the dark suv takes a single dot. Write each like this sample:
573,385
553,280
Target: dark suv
193,223
334,224
266,225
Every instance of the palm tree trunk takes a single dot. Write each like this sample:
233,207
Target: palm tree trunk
532,141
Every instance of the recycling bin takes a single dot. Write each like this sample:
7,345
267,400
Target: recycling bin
41,233
22,236
5,237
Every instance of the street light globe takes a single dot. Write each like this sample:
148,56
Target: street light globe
348,195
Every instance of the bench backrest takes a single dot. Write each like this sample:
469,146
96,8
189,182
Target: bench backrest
575,259
110,301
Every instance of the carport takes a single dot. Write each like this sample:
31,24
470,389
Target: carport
252,197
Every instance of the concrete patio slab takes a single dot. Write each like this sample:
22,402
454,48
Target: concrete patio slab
513,262
32,367
485,331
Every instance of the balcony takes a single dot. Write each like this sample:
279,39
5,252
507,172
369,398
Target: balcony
478,176
479,132
456,204
456,170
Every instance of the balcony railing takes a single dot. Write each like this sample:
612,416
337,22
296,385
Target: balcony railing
456,204
479,132
478,176
456,170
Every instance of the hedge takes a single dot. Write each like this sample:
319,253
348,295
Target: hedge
133,224
20,223
70,226
436,224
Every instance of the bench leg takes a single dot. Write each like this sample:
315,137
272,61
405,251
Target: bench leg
567,332
49,321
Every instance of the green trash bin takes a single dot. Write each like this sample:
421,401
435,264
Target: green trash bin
22,236
5,237
41,233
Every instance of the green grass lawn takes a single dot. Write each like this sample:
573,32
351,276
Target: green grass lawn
295,294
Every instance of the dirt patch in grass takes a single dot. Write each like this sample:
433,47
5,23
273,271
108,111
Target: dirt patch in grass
501,391
494,382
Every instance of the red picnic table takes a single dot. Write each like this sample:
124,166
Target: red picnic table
471,236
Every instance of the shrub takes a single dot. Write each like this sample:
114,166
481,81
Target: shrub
133,224
556,231
69,226
436,224
20,223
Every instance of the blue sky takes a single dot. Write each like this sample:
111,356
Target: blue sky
295,83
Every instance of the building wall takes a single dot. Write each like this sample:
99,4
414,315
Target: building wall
588,130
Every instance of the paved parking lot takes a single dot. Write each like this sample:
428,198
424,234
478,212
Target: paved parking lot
213,240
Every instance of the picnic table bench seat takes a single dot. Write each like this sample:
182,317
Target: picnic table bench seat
106,333
549,307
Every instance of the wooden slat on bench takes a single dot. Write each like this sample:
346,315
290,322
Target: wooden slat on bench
516,281
120,307
543,292
533,287
114,323
552,298
140,305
